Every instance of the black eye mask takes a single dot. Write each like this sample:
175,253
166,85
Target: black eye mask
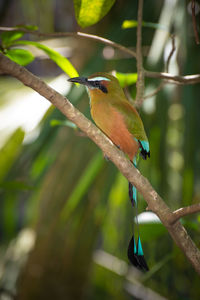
97,84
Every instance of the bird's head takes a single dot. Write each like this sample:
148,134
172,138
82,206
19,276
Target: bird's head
100,82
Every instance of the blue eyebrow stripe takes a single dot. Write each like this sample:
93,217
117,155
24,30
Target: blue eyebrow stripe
98,78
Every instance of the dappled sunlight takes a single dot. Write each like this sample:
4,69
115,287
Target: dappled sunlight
27,109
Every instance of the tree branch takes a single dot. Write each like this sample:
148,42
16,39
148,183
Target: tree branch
155,202
176,79
74,34
187,79
184,211
140,71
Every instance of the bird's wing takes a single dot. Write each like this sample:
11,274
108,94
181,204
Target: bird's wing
132,120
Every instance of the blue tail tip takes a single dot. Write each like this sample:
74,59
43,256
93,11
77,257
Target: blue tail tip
136,255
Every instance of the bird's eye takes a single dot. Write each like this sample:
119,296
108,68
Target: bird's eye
97,83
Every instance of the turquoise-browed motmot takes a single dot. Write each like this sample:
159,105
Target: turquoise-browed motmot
120,121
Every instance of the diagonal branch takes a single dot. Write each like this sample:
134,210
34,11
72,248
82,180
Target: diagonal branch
184,211
155,202
106,42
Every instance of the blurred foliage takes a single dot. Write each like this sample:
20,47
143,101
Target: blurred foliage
133,23
126,79
59,183
8,37
59,59
10,151
24,57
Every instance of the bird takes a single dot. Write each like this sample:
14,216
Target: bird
119,120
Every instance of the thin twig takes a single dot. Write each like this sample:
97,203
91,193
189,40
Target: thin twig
140,72
162,84
155,91
188,79
184,211
107,42
74,34
171,53
194,22
128,95
175,79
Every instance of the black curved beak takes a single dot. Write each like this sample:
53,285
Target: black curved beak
81,80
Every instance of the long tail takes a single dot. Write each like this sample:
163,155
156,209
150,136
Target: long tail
135,251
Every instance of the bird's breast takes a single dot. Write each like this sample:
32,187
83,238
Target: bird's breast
112,123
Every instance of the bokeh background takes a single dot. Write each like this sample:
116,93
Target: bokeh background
65,216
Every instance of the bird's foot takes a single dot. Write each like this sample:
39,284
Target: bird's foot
106,157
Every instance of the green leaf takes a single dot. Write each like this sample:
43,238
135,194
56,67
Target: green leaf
126,79
10,152
89,12
129,24
60,60
63,123
133,23
20,56
8,37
